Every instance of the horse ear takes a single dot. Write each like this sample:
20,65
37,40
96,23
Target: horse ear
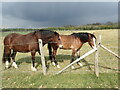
93,33
56,33
89,36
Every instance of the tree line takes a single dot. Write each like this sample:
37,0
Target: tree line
93,26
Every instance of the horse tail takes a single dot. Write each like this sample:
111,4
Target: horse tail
7,50
50,51
6,54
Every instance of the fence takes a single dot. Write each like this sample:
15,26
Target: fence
96,51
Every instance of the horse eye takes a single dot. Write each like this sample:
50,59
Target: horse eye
58,38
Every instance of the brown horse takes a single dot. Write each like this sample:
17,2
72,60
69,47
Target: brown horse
74,41
27,43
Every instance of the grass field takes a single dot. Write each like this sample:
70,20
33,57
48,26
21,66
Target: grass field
81,77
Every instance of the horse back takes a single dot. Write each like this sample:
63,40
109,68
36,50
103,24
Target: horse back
70,42
25,39
21,43
9,38
25,43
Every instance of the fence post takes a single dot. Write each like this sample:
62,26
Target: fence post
42,56
96,57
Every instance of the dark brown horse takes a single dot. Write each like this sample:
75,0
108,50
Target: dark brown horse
27,43
74,42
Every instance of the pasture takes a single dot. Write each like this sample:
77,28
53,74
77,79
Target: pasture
80,77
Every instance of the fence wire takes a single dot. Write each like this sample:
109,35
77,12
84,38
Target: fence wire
66,54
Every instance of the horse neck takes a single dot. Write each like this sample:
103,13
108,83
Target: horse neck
45,38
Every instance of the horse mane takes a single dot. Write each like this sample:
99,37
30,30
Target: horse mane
83,36
92,35
46,33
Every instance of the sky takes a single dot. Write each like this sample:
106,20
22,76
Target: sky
55,14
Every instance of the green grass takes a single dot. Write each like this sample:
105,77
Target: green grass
81,77
26,79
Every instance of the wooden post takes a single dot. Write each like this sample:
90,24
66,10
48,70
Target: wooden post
86,54
109,51
96,68
42,56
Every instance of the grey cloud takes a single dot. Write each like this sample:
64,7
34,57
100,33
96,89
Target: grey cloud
58,14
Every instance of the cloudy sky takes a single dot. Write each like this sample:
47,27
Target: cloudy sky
54,14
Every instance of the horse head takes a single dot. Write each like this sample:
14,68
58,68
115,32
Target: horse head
57,40
92,40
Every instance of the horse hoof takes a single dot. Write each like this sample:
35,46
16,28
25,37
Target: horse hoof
7,65
34,69
80,64
72,67
14,65
58,66
53,63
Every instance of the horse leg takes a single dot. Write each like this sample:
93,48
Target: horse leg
78,56
51,54
54,61
50,51
33,61
72,58
13,59
7,60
